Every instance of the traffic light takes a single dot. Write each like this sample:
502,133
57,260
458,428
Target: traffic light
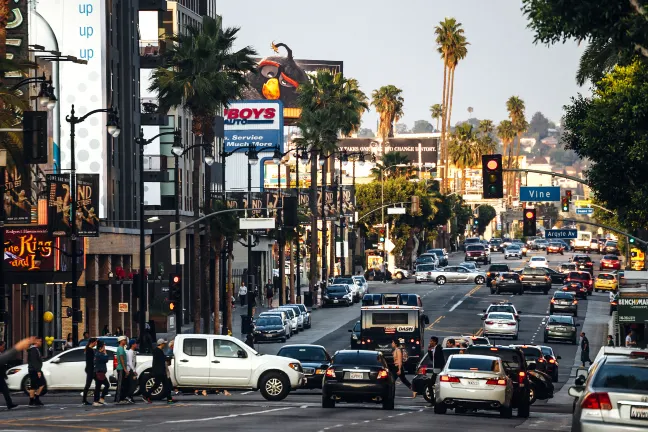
416,204
565,204
290,219
569,196
529,222
382,235
493,183
631,240
175,291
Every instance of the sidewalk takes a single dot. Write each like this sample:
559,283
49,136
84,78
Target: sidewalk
596,330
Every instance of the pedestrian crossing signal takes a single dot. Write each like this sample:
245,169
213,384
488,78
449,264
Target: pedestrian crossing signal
569,196
172,306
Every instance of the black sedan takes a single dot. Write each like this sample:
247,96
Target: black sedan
564,302
355,335
508,282
358,376
314,359
575,288
337,295
269,329
541,386
556,276
552,362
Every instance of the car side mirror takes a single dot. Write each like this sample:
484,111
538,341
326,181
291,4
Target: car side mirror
241,354
55,360
350,331
482,316
559,358
483,310
575,392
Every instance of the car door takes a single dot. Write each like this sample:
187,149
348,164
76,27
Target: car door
192,362
450,273
228,367
462,274
66,370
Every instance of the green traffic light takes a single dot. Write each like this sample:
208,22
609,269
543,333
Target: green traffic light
492,189
632,240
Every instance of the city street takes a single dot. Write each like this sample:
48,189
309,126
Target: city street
453,310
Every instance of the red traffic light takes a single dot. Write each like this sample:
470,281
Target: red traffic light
529,215
492,165
176,279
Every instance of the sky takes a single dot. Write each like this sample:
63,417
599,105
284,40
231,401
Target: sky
385,42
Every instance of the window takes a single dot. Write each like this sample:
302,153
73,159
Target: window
195,347
622,377
73,356
358,359
225,348
462,270
500,316
381,318
474,364
304,354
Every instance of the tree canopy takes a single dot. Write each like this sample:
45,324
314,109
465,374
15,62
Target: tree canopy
539,125
486,214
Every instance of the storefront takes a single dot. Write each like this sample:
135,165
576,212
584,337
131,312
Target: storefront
632,315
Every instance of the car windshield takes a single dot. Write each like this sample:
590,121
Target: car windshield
348,281
337,289
511,276
304,354
531,353
472,240
474,248
563,295
498,268
610,257
357,358
437,252
622,377
513,247
470,266
538,259
610,243
547,351
567,266
606,276
581,258
555,244
500,308
502,316
425,267
533,271
473,364
269,321
560,319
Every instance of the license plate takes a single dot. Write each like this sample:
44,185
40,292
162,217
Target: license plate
640,413
356,375
473,383
335,301
561,328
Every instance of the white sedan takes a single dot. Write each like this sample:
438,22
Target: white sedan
501,324
362,284
538,261
62,372
513,251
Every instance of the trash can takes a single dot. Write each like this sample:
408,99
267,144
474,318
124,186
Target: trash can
246,324
308,299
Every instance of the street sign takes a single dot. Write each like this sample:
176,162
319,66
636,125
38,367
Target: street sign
584,210
123,307
396,210
582,203
561,234
256,223
539,193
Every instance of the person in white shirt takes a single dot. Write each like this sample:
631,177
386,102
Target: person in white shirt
242,293
131,368
629,340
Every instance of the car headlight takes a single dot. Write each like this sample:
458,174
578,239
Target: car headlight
354,337
13,371
295,366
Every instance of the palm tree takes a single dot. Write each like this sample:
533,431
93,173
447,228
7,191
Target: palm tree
451,44
485,142
436,111
506,132
202,73
462,150
331,106
393,159
599,58
389,104
515,106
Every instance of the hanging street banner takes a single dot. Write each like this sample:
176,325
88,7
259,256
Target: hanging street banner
87,218
348,195
17,202
58,205
256,123
21,247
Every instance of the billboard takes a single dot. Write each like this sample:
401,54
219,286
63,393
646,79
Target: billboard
278,77
86,218
17,197
253,123
418,150
21,247
80,30
58,205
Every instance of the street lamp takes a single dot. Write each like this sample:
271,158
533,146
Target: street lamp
113,129
142,291
179,151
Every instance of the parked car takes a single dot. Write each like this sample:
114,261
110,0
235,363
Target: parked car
315,360
362,284
269,329
348,281
441,254
377,275
429,258
287,324
470,381
358,376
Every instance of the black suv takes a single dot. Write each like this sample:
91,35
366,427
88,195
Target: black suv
494,271
583,263
516,368
495,245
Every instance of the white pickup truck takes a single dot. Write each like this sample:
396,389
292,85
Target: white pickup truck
223,362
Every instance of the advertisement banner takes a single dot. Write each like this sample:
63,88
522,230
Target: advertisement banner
303,205
272,201
17,202
633,310
58,205
87,219
21,247
256,123
417,150
348,195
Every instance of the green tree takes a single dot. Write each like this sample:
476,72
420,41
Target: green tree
422,126
539,125
486,143
202,73
331,106
515,107
366,133
506,133
436,111
391,162
486,214
610,129
388,101
462,150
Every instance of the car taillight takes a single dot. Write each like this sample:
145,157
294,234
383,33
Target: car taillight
521,376
541,360
575,302
330,373
115,363
488,322
547,278
422,370
494,381
565,288
521,277
599,401
382,374
488,274
552,361
613,303
553,301
511,323
448,378
589,264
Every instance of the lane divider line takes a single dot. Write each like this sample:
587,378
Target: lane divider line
227,416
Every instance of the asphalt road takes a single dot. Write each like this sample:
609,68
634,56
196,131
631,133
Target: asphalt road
453,309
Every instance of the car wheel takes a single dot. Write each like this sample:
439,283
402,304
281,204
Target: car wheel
370,277
428,393
532,396
521,292
479,280
388,403
441,280
545,339
327,402
440,408
505,257
551,311
399,276
523,410
492,291
554,376
461,410
545,292
274,386
147,381
515,337
506,412
283,340
26,385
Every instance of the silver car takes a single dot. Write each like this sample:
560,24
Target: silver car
424,273
457,274
614,398
513,251
362,284
501,324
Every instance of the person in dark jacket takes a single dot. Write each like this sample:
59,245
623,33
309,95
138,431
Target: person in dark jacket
160,374
3,376
89,367
34,366
436,359
100,370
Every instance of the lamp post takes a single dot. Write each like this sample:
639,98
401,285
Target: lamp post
179,151
143,279
113,129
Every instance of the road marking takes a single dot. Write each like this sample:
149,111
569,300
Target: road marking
247,392
227,416
470,293
436,321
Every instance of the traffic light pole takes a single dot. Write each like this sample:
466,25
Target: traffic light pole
609,228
